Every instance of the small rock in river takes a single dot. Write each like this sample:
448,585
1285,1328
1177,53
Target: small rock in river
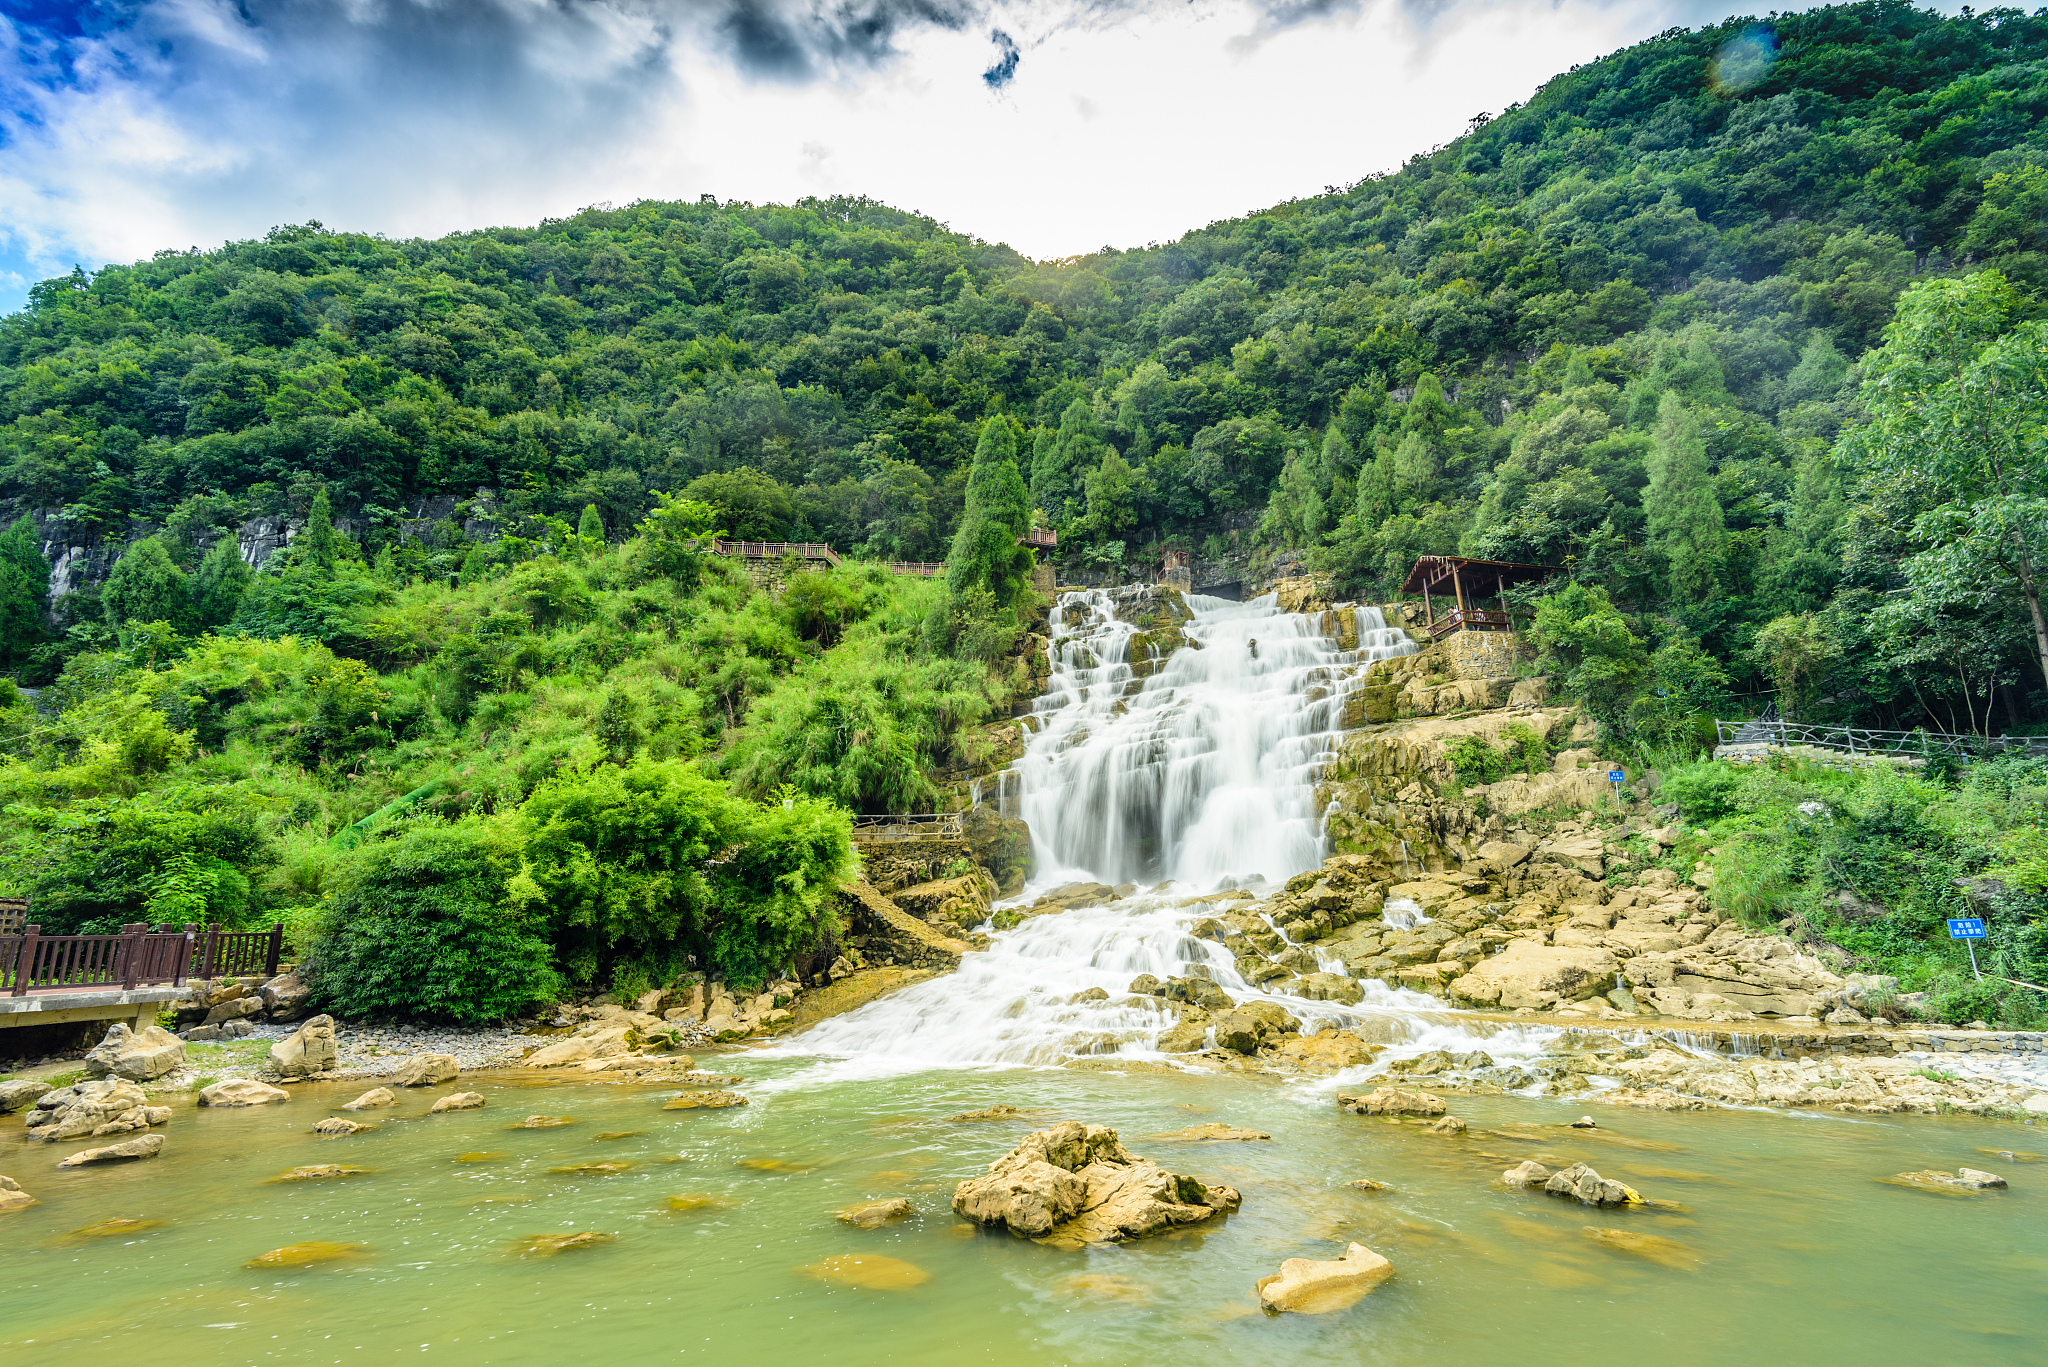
242,1091
871,1271
320,1172
425,1070
1580,1183
1305,1286
1654,1248
1527,1173
458,1101
372,1099
142,1146
693,1101
307,1254
1449,1124
334,1125
1366,1184
1962,1179
547,1245
610,1169
875,1214
12,1197
542,1122
1208,1131
1391,1101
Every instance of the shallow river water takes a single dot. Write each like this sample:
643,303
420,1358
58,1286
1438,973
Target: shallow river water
1791,1252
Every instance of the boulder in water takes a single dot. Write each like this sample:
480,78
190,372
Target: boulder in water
335,1127
1391,1101
1304,1286
458,1101
1448,1124
547,1245
1252,1026
242,1091
127,1151
1326,1051
1210,1131
99,1109
1580,1183
870,1271
16,1093
320,1172
12,1197
372,1099
991,1113
1527,1173
708,1101
310,1254
1077,1184
1962,1179
1649,1247
875,1214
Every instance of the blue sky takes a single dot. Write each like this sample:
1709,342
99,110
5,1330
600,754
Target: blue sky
132,126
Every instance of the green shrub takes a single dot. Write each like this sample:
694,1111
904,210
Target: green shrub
419,925
1475,760
1704,792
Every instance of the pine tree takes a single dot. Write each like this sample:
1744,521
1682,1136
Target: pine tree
219,583
590,527
319,536
146,585
985,550
1684,517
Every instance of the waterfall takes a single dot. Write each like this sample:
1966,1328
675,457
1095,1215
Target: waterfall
1203,771
1197,776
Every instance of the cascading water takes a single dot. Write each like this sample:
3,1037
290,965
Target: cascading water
1196,778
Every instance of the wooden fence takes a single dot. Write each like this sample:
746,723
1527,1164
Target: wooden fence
1862,740
882,830
137,957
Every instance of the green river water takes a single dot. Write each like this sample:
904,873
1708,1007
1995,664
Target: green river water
1795,1253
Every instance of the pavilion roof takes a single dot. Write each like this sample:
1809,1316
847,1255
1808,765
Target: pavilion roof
1432,570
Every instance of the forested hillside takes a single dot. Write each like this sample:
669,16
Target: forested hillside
1647,328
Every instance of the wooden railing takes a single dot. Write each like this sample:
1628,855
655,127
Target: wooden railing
1862,740
1043,538
879,830
137,957
1470,619
923,569
775,550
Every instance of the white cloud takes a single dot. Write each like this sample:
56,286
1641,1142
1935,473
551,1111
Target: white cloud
198,120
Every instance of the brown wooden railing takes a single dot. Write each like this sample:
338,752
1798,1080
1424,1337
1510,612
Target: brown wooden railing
137,957
1042,537
775,550
923,569
1470,619
877,830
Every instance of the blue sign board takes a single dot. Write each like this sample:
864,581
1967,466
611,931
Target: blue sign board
1615,775
1966,928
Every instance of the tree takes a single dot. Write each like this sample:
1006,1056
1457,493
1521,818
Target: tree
590,527
1955,457
321,540
985,550
1587,646
1684,517
24,593
419,925
146,586
219,583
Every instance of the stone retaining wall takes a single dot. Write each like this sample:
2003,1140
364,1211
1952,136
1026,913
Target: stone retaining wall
1922,1040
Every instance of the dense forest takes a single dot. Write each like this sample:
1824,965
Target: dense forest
1740,328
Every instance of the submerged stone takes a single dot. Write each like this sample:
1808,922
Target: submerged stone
310,1254
774,1165
372,1099
542,1122
1961,1180
1305,1286
869,1271
709,1101
547,1245
700,1202
1211,1131
595,1169
334,1126
875,1214
1650,1247
320,1172
118,1227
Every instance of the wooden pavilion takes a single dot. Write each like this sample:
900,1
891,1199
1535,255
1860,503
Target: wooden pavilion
1469,582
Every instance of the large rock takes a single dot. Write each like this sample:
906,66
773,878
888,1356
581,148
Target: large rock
142,1146
1307,1287
604,1040
1253,1025
307,1050
1077,1184
16,1093
286,997
139,1057
242,1091
1962,1179
1391,1101
1527,1173
237,1009
1533,975
1580,1183
371,1100
109,1106
1326,1051
458,1101
425,1070
12,1197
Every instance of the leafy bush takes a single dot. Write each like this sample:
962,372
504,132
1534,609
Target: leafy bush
419,925
1704,792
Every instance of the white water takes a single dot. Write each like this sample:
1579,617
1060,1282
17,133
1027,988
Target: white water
1202,775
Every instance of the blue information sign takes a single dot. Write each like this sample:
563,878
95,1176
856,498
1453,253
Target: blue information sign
1615,775
1966,928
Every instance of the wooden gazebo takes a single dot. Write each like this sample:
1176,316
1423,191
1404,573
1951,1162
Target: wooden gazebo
1469,581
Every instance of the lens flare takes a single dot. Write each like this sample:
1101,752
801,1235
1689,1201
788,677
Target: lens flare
1744,60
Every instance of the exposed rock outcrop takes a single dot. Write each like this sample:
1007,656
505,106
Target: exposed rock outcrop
1304,1286
242,1091
110,1106
127,1151
308,1050
137,1056
1076,1184
426,1070
12,1197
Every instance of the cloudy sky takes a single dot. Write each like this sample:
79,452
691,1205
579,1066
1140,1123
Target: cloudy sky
1058,126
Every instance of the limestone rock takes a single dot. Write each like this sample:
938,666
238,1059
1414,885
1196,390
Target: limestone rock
1247,1027
1304,1286
705,1101
286,997
875,1214
1391,1101
1580,1183
142,1146
1527,1173
12,1197
234,1010
580,1048
425,1070
139,1057
320,1172
458,1101
109,1106
1534,975
1079,1185
1449,1124
335,1126
19,1092
1326,1051
242,1091
309,1049
372,1099
1962,1179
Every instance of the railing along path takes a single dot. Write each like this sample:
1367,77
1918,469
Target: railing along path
136,957
879,830
1863,740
